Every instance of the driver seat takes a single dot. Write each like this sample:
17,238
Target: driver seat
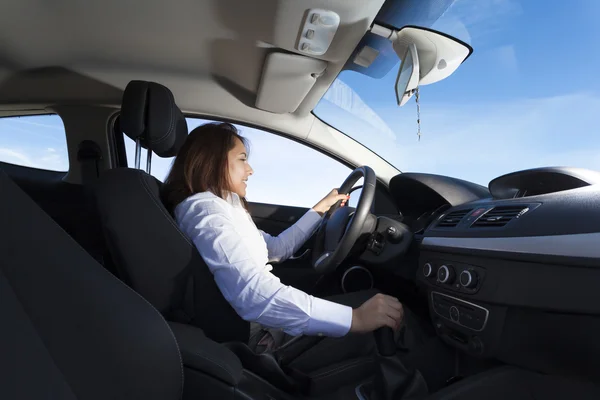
150,252
155,258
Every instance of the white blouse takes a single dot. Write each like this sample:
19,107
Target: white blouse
238,255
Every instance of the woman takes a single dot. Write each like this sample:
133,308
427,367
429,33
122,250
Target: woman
205,191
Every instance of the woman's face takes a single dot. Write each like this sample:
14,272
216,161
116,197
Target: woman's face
239,169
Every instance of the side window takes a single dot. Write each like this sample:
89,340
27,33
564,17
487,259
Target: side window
36,141
285,172
289,173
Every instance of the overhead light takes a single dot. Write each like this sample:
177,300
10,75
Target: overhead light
318,31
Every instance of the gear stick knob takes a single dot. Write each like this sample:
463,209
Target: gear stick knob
384,338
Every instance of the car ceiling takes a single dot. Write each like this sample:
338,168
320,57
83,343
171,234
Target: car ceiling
210,53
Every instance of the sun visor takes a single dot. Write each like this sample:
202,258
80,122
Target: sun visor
286,80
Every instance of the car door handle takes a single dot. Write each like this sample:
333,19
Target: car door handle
304,254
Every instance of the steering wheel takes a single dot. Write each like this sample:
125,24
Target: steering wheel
342,226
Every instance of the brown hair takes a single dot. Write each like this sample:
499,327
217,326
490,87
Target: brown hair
201,164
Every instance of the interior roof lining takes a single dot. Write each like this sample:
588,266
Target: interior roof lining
195,44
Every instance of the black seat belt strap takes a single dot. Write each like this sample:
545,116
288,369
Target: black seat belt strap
89,156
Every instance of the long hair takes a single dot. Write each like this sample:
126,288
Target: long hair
201,164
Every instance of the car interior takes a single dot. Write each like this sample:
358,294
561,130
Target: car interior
103,296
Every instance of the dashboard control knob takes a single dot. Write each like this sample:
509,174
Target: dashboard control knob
427,270
468,279
445,274
454,314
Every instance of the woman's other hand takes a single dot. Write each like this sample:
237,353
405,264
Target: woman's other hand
380,310
333,197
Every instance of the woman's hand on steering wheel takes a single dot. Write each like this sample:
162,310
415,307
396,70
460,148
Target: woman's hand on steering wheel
341,227
328,201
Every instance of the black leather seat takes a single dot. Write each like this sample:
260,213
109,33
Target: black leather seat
150,252
70,329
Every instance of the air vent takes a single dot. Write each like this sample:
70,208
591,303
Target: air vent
453,219
499,216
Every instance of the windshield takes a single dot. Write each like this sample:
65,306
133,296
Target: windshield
527,97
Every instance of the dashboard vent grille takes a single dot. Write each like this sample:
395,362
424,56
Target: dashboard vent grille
452,219
499,216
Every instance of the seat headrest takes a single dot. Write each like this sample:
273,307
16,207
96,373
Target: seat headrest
149,112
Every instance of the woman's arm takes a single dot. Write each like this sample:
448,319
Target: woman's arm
284,245
255,293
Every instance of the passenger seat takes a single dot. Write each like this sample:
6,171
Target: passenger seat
70,330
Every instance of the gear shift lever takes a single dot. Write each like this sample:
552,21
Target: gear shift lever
386,345
393,381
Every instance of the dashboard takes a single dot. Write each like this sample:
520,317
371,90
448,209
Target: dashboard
512,271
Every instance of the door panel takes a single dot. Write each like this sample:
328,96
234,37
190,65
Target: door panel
273,218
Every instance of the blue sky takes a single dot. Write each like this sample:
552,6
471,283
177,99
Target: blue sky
527,97
34,141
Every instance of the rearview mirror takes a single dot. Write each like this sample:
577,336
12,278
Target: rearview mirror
408,75
427,56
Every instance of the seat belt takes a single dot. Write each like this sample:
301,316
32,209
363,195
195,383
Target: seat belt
89,156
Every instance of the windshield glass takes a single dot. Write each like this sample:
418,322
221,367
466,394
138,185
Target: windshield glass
527,97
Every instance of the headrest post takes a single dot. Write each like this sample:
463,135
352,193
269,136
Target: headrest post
148,161
138,152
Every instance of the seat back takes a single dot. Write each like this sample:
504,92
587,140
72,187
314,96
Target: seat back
152,255
70,329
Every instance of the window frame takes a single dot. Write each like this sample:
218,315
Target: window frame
121,143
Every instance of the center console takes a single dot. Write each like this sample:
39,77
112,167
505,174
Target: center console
543,316
463,313
459,318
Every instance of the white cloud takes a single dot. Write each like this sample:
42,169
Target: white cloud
15,157
29,121
52,161
35,158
